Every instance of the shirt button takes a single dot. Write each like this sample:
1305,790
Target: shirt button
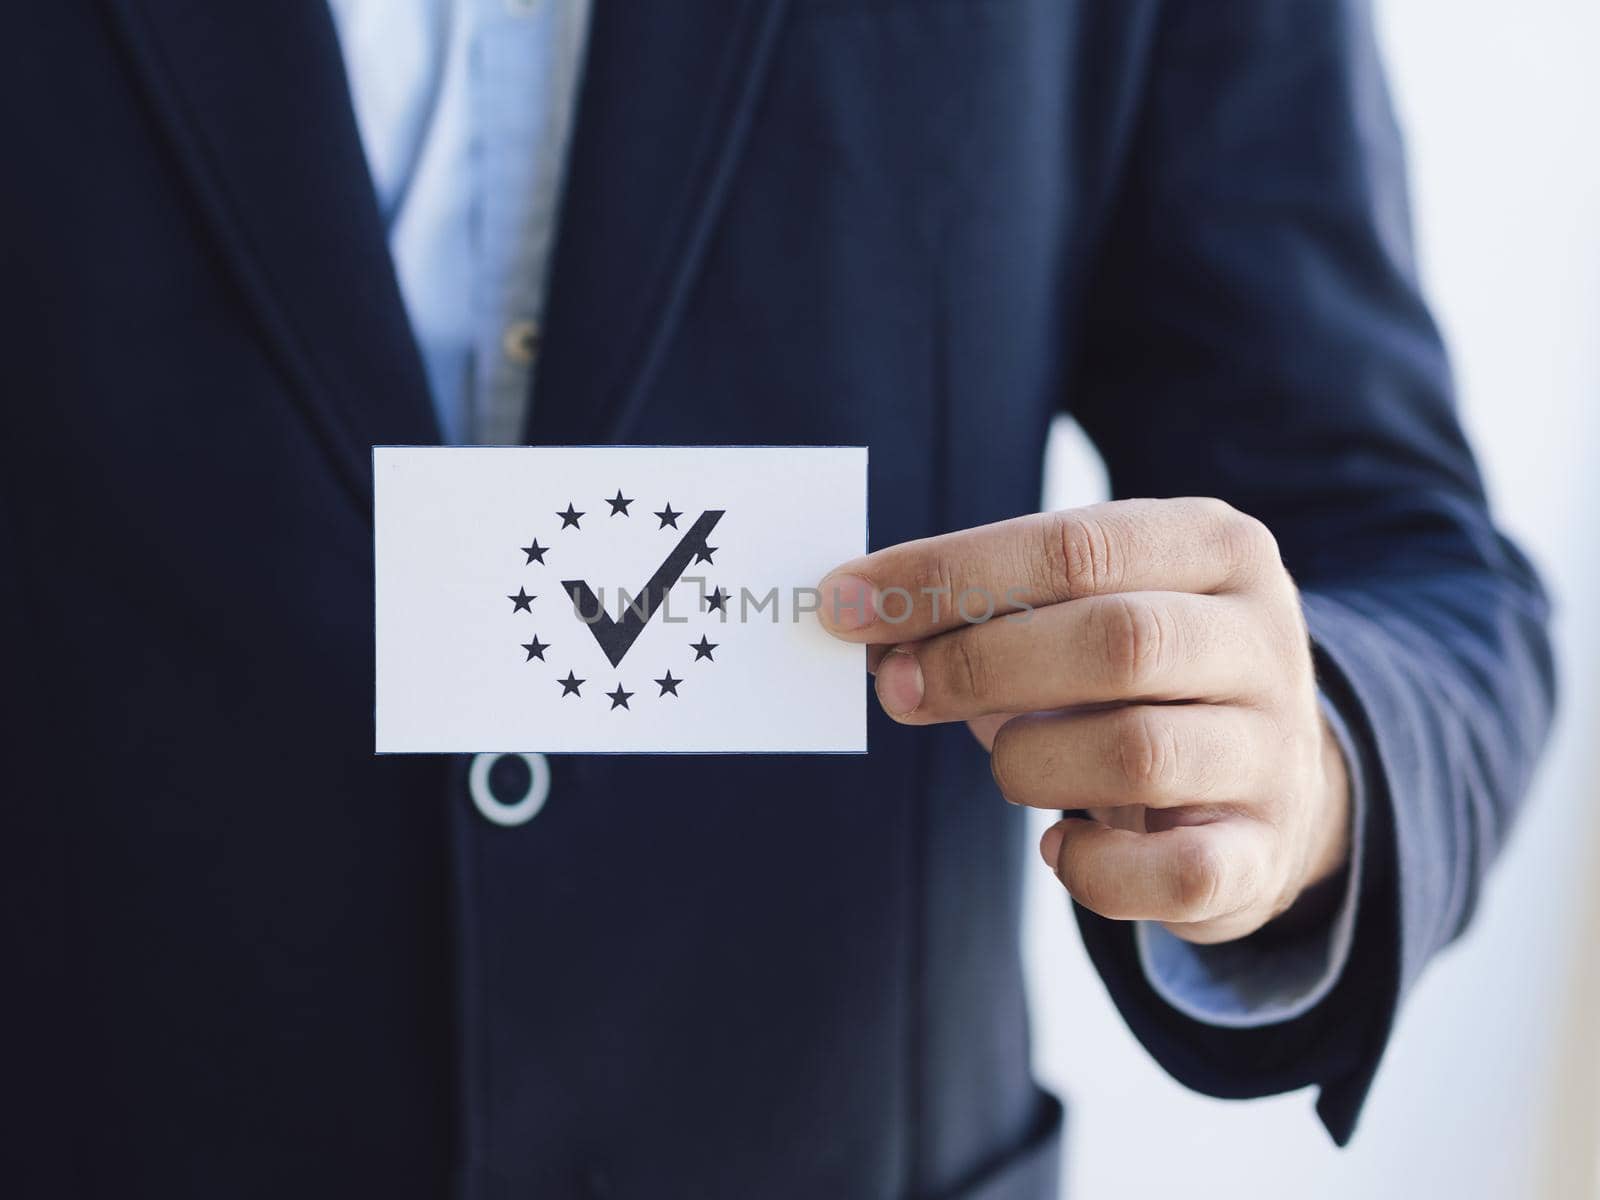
509,789
522,8
521,341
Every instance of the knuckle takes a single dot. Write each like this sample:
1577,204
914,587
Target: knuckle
1083,555
931,584
1053,560
1211,510
1197,876
968,673
1147,753
1246,542
1135,639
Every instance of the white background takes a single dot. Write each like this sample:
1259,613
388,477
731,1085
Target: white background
1490,1085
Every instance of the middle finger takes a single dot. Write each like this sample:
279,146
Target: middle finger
1130,646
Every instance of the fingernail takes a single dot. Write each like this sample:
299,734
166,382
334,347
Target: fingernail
848,602
1050,845
900,682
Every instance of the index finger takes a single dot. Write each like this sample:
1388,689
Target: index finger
917,589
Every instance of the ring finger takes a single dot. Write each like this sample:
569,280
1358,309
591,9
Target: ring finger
1157,755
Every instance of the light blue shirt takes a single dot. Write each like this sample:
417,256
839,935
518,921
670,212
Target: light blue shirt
465,109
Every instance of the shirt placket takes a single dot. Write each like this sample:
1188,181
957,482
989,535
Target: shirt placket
522,124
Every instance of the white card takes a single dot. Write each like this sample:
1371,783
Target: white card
615,599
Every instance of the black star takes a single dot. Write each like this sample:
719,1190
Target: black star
571,684
521,601
619,698
619,505
668,517
534,552
535,649
704,554
570,517
717,601
703,648
669,684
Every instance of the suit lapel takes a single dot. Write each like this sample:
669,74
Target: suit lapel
668,93
255,103
254,100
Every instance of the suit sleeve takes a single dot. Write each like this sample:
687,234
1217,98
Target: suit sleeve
1255,332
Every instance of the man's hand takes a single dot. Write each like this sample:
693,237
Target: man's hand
1144,660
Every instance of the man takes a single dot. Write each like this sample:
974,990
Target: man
243,244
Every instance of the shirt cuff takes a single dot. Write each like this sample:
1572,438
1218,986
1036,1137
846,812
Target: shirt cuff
1262,981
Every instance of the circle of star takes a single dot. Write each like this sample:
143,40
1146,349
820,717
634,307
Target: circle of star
667,518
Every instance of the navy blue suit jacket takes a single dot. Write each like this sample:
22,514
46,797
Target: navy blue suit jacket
244,957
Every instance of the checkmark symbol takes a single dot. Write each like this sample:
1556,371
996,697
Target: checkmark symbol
616,637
